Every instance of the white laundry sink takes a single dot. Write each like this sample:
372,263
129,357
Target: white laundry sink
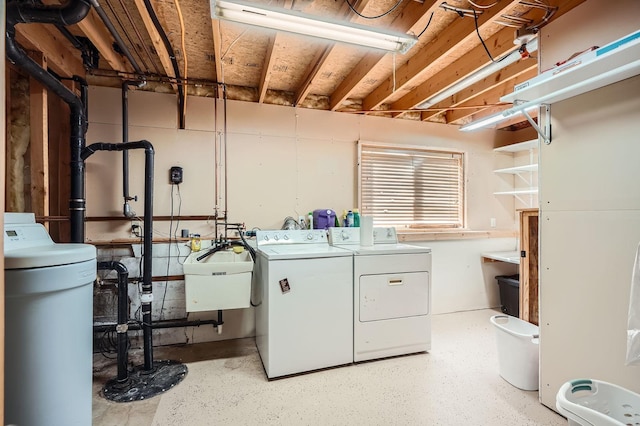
219,281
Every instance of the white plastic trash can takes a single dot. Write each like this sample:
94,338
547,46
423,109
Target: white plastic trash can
518,351
588,402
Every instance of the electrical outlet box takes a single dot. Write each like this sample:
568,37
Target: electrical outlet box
136,228
175,175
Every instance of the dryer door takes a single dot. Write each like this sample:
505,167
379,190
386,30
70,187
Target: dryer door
388,296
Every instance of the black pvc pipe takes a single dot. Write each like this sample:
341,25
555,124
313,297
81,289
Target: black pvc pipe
174,61
123,317
101,328
70,14
107,22
147,289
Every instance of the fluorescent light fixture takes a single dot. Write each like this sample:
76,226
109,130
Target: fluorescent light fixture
498,117
493,67
310,25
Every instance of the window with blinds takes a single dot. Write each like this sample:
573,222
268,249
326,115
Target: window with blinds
411,187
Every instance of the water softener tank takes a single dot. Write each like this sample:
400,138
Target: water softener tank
49,326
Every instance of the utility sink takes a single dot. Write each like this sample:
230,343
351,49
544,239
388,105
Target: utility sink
220,263
219,281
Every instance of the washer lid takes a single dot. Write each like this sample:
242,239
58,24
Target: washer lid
302,251
48,255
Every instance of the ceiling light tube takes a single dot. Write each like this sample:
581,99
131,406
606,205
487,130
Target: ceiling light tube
498,117
310,25
485,72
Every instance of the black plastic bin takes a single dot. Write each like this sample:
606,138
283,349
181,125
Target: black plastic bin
509,294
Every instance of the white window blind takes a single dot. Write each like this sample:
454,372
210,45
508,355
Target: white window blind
411,187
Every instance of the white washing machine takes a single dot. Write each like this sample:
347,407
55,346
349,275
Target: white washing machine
391,294
304,293
49,326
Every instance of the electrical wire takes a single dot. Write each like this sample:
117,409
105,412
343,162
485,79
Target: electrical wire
428,23
184,49
479,6
373,17
486,49
166,282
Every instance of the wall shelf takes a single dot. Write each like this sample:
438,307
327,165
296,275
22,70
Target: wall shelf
525,194
518,169
526,191
518,147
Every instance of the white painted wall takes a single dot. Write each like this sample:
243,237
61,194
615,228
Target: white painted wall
589,211
286,162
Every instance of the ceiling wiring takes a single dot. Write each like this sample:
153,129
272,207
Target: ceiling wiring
184,49
425,28
353,9
126,34
460,11
479,6
140,38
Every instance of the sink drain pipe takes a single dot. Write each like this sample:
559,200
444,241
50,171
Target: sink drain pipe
146,297
122,358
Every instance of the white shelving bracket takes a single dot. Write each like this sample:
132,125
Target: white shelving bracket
545,131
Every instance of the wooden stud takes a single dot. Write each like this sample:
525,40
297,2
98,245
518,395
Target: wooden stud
529,265
39,145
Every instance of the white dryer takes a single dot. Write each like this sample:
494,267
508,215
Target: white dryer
304,298
392,294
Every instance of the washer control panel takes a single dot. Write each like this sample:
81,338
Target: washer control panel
304,236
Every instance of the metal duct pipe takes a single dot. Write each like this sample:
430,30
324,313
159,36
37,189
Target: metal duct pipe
147,290
71,13
123,317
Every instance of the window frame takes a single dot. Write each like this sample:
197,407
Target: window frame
424,149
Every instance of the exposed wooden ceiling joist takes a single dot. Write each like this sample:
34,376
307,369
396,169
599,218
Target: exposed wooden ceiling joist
279,68
460,32
95,31
48,40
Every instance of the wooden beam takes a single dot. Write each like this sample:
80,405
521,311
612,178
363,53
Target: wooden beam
49,41
491,96
320,58
39,144
95,31
412,19
158,44
267,68
507,73
317,62
475,59
461,32
217,49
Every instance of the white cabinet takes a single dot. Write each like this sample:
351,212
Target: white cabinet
524,172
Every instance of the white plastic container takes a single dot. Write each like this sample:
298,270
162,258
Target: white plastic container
590,402
518,351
